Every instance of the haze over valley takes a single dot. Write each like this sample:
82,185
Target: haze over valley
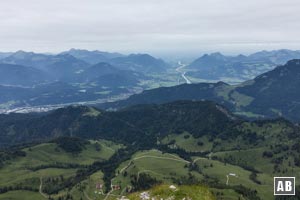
149,100
41,82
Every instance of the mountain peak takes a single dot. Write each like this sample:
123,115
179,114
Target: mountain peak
140,55
22,53
217,54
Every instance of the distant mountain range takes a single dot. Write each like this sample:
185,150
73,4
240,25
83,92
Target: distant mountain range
66,81
276,56
144,63
92,57
31,59
208,67
29,78
217,66
57,66
69,62
272,94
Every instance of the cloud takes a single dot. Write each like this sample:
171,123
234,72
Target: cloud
152,25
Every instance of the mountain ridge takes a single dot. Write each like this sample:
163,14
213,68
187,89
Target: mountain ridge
92,57
216,66
128,125
279,84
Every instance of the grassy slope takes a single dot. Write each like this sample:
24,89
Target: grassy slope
158,165
220,171
162,167
249,155
165,167
16,171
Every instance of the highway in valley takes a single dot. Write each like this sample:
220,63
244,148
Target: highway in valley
182,72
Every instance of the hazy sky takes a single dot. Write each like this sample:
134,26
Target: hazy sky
154,26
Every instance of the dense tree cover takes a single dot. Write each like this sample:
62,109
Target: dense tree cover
248,193
64,197
71,144
52,185
126,126
10,154
134,124
143,181
28,128
181,152
30,184
57,165
253,177
12,188
296,147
